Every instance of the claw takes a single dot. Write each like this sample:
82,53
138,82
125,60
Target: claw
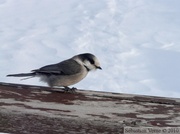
70,90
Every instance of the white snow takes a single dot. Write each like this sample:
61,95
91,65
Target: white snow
137,41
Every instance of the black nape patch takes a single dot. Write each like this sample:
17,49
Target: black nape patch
87,56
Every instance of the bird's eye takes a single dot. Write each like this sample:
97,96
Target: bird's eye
91,61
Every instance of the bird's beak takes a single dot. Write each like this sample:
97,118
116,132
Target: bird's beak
99,68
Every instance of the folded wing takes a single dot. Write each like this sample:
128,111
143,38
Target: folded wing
67,67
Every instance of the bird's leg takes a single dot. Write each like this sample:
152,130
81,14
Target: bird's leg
67,89
73,89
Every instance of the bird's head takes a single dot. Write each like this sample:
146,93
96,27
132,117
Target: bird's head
89,61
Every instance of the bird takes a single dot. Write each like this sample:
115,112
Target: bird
65,73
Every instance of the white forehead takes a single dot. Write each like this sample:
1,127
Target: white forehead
96,61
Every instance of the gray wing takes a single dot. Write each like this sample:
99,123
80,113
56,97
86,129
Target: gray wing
67,67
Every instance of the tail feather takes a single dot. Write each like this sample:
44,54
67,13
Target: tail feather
21,75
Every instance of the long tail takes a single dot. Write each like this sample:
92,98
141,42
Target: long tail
28,75
21,75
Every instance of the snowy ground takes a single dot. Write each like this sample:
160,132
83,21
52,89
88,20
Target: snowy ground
137,41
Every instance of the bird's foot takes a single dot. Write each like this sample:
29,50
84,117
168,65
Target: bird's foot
70,90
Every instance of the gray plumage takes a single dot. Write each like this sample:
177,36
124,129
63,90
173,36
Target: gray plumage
65,73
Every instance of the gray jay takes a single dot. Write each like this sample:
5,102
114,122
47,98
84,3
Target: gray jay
65,73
